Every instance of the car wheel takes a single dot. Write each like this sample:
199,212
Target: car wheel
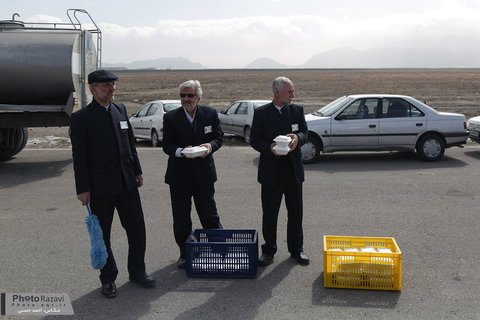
311,150
430,147
246,134
155,140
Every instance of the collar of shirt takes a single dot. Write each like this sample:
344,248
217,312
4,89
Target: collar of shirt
188,116
279,108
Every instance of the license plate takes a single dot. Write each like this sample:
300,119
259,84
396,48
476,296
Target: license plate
474,133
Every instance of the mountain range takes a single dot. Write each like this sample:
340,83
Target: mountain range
386,57
161,64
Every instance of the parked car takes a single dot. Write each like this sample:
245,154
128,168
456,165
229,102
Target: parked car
237,119
473,126
382,122
147,123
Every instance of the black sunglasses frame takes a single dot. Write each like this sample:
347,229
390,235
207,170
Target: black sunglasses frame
190,95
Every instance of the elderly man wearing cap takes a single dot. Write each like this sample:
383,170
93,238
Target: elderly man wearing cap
108,175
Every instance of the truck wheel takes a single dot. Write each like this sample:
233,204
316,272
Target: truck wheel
12,141
23,133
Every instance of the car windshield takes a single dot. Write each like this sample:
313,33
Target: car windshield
171,106
333,107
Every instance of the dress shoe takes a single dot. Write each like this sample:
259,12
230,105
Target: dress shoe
265,260
109,290
144,280
302,258
181,263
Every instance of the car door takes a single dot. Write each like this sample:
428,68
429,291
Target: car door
226,119
138,125
356,125
150,117
165,107
239,119
400,123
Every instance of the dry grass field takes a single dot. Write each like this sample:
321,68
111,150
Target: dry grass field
450,90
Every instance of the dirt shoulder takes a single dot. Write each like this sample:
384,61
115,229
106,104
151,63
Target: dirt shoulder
449,90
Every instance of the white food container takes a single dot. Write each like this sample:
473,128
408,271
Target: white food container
194,152
282,144
281,150
282,141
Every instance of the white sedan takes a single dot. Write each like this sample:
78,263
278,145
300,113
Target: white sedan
382,122
237,119
147,123
473,126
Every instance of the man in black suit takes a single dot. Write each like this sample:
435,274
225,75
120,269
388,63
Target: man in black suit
191,125
108,175
280,174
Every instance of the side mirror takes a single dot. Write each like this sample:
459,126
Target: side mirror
341,117
134,115
223,111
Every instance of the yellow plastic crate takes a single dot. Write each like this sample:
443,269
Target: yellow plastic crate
362,270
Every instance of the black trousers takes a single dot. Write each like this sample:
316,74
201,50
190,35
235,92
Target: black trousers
130,212
181,198
271,201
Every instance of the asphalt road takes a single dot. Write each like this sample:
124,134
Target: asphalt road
431,209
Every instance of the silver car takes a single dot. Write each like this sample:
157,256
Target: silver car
382,122
147,123
237,119
473,126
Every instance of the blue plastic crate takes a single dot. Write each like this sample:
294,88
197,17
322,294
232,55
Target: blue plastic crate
222,253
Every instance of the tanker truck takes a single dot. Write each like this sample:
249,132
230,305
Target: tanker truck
43,72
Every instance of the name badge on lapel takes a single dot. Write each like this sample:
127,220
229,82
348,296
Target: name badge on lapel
123,125
294,127
208,129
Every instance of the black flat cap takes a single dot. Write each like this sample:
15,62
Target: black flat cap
101,76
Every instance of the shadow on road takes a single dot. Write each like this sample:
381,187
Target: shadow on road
240,298
378,161
231,297
14,173
353,298
473,154
132,301
381,161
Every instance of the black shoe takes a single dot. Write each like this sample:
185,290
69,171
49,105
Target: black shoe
144,280
265,260
109,290
181,263
301,257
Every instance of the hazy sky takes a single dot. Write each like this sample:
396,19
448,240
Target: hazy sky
232,34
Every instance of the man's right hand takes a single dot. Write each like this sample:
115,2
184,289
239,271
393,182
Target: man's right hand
84,197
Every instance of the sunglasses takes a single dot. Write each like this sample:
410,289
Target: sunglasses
190,95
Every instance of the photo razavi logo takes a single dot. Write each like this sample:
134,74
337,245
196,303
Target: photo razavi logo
36,304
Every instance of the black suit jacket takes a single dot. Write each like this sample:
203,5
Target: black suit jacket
266,126
178,132
105,159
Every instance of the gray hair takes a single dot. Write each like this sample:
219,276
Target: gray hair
279,82
192,83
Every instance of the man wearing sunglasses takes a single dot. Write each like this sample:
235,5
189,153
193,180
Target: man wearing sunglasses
108,175
191,126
